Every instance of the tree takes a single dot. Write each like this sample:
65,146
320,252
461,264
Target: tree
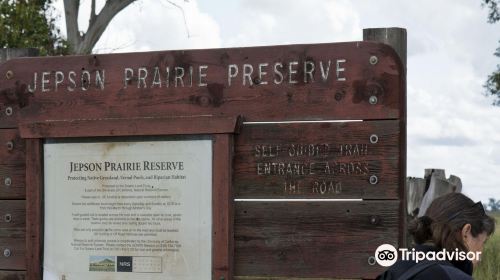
28,24
494,205
84,42
492,84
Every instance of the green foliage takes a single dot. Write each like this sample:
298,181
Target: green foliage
30,24
489,267
494,205
492,84
493,10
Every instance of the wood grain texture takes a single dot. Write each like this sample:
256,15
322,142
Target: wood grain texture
12,214
12,234
318,100
17,247
318,160
16,174
12,275
397,39
321,240
34,208
131,127
10,121
403,233
223,207
14,155
10,53
312,239
393,36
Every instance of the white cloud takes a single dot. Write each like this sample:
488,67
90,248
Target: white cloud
292,22
148,25
157,25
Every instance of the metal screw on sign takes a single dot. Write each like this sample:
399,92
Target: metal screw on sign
10,145
373,179
373,100
8,218
372,260
7,253
374,220
373,138
7,181
339,96
8,111
9,74
373,60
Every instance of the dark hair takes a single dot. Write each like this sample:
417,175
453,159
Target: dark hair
444,219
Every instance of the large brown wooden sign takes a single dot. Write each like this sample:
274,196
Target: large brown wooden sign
299,82
294,128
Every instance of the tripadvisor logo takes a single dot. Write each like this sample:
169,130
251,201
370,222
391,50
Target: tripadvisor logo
387,255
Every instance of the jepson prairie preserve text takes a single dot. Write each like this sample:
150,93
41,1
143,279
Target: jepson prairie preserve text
277,73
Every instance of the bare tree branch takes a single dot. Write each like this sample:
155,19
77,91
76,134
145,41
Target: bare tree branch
92,13
97,27
84,42
71,14
183,15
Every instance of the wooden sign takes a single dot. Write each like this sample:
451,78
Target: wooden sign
298,82
318,160
322,239
308,146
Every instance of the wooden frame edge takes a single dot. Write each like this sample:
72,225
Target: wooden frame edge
34,208
132,127
222,208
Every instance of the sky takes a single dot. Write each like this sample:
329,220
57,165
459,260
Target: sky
451,124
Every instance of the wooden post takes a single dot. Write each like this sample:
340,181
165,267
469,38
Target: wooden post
439,173
396,38
223,207
13,193
438,186
34,206
415,190
421,192
9,53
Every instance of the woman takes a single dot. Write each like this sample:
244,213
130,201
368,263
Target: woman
451,222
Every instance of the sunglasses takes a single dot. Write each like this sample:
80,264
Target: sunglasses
477,205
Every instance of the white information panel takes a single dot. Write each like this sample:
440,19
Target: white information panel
128,210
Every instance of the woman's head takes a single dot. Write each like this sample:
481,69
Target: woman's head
454,221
